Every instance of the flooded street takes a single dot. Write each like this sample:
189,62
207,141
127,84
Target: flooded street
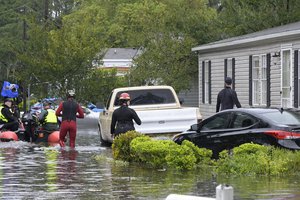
31,172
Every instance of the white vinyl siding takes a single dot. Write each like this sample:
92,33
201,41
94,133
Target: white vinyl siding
259,82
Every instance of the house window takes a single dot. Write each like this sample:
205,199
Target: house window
286,81
297,69
229,70
259,80
206,82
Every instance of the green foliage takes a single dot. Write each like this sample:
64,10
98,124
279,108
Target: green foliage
247,159
166,30
254,159
151,152
121,146
238,17
59,45
98,84
165,153
181,157
202,155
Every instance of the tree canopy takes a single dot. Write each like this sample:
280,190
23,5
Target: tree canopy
55,42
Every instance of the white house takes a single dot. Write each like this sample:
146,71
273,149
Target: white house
120,58
264,66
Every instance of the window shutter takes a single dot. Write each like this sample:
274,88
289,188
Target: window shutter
233,73
225,68
209,82
296,86
250,80
203,82
268,80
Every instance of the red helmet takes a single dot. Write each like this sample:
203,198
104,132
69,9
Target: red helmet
125,96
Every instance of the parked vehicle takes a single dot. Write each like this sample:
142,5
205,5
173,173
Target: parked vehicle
90,119
231,128
158,107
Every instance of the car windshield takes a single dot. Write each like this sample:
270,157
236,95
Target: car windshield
285,117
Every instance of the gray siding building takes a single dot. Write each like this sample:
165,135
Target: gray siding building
264,66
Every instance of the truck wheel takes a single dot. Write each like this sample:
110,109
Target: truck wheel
103,142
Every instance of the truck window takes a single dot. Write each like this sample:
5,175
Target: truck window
148,97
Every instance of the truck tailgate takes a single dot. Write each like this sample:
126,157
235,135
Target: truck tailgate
166,121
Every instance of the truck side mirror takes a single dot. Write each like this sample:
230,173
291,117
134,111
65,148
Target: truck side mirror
181,101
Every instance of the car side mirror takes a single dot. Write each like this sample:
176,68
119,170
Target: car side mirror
194,127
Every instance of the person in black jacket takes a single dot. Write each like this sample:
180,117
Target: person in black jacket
122,117
227,97
8,121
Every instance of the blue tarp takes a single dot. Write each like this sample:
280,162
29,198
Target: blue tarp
94,107
9,90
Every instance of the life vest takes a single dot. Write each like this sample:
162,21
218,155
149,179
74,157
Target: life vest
2,117
51,117
69,110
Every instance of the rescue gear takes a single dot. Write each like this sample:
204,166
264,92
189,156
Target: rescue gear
124,96
51,117
69,109
2,117
71,93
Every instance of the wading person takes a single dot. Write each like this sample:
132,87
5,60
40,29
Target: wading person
69,110
227,97
122,118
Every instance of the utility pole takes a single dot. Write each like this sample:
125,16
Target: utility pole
46,11
24,95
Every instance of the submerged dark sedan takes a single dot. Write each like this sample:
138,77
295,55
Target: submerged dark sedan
231,128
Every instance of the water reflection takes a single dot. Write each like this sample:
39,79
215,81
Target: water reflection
33,172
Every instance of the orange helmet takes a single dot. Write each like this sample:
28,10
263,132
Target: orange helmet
125,96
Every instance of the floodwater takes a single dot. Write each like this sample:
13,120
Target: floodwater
32,172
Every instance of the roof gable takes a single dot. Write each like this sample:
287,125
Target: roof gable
267,36
121,53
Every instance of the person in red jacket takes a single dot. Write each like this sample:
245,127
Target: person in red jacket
69,110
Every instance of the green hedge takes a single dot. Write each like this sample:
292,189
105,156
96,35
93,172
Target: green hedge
247,159
133,146
254,159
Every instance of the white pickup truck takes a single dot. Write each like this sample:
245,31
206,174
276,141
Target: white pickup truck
158,108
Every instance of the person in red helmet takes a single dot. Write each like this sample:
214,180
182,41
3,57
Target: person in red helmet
122,118
69,110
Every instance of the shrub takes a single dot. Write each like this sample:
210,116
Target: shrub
202,155
121,145
181,157
151,152
254,159
166,153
